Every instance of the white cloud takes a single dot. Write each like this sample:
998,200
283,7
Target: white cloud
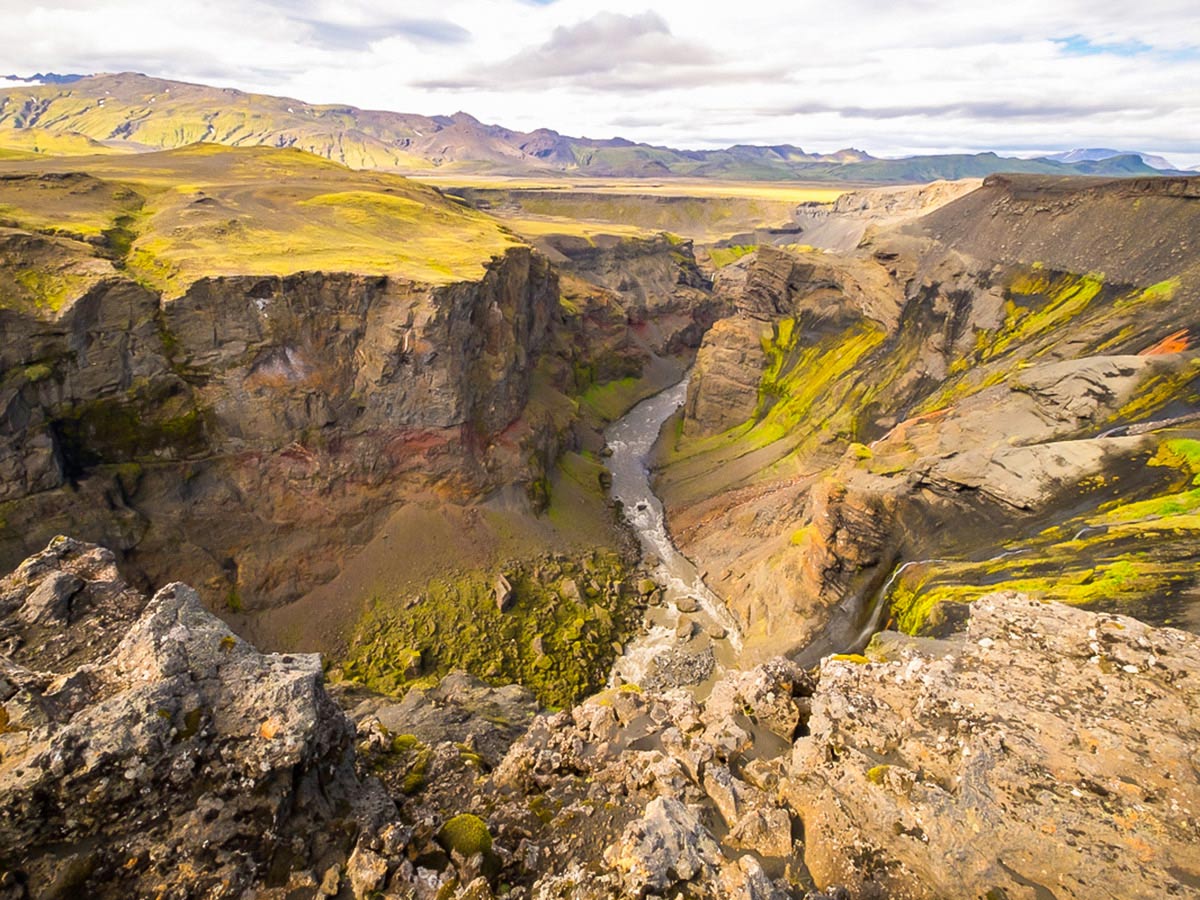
884,76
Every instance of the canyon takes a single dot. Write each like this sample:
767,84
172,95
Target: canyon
926,483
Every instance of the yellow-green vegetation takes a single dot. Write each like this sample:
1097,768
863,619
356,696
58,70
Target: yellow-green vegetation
1132,550
708,211
44,142
555,637
877,774
466,835
809,385
209,211
1156,293
783,192
811,399
42,198
1041,308
156,114
857,658
531,228
1038,302
1158,390
609,401
723,256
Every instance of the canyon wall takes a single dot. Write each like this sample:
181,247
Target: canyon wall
974,387
246,432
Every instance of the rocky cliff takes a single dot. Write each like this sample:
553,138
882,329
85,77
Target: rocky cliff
147,751
998,392
249,420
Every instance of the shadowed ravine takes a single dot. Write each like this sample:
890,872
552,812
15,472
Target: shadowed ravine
685,594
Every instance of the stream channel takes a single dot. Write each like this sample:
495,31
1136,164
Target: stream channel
690,637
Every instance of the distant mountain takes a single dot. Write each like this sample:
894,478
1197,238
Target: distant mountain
136,112
40,78
1098,154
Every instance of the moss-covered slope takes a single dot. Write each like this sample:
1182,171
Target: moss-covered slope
981,391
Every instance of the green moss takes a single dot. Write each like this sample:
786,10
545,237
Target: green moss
46,289
808,387
142,425
856,658
556,637
611,400
418,773
1179,453
37,372
466,835
191,724
723,256
877,774
1134,550
1157,391
860,451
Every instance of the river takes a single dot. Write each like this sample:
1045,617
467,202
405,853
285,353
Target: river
690,637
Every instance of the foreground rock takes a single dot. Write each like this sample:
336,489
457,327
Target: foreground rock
148,751
1053,754
145,751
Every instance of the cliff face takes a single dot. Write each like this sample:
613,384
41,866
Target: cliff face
640,299
997,393
232,418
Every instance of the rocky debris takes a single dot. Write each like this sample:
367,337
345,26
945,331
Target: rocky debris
1051,754
663,850
503,591
162,755
460,709
678,666
654,777
1051,750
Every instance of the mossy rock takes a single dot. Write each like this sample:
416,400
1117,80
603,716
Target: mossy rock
466,835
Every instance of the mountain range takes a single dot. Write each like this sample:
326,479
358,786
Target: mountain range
135,112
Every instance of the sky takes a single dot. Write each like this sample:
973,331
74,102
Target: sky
892,78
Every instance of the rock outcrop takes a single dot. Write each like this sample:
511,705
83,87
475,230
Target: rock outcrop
262,423
147,751
1049,753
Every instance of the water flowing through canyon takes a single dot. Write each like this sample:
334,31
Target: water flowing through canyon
690,636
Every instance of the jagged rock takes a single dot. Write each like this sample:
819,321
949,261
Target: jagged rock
746,880
367,871
161,754
768,832
767,693
503,592
387,371
663,850
732,796
1052,753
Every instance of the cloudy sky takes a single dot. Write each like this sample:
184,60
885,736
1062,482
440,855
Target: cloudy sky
889,77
